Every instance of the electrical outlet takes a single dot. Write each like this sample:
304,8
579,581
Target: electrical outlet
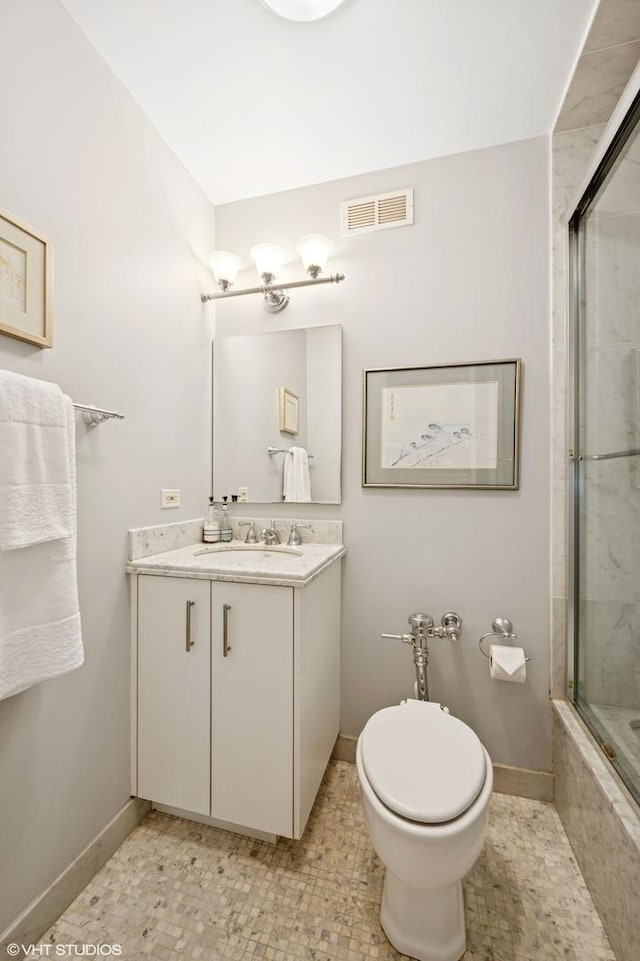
170,498
243,495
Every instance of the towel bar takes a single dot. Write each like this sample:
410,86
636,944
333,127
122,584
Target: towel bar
280,450
96,415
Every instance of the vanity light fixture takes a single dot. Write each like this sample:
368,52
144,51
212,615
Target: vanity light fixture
225,267
302,10
314,250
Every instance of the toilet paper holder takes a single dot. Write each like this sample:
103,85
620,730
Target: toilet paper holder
500,627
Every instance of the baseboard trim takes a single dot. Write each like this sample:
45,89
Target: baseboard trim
344,749
216,823
536,785
44,910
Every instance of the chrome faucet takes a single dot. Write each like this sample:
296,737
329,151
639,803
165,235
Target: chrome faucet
252,536
294,534
270,536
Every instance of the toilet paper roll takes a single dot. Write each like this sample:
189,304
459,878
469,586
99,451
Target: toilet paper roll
507,663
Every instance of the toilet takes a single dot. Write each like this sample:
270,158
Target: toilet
426,781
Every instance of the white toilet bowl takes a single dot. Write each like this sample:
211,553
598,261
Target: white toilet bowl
426,781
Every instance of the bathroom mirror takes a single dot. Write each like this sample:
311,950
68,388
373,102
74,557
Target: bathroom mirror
279,389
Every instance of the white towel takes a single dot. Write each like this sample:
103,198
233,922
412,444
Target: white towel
36,499
296,480
40,632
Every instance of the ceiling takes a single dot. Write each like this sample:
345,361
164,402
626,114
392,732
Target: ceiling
253,104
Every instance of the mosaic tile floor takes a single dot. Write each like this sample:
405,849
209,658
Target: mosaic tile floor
176,889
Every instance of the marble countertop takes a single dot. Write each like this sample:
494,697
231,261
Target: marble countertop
260,565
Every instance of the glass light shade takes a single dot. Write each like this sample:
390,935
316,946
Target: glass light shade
225,267
302,9
314,250
268,258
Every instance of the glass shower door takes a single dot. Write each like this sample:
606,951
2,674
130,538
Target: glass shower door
606,237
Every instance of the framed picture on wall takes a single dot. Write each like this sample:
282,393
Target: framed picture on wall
453,426
288,411
25,282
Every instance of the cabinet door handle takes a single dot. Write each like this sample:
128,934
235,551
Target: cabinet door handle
226,647
189,642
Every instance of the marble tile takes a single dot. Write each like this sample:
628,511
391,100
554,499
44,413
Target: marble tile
616,21
621,196
603,826
622,725
559,473
143,541
47,907
611,389
615,289
559,286
322,532
232,562
558,686
521,782
599,79
177,889
571,152
588,531
613,551
611,653
345,748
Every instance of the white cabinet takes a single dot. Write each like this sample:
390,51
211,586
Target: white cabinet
252,706
174,666
236,696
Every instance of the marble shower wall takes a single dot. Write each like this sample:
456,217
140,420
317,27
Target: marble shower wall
603,828
570,157
609,56
611,585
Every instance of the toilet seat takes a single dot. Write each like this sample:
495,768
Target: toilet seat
421,762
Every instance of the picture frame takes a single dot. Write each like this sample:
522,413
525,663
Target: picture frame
453,426
289,411
26,266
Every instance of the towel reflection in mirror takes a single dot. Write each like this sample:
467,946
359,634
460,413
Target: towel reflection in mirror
296,481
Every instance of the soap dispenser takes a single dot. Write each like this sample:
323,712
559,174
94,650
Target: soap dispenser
211,530
226,533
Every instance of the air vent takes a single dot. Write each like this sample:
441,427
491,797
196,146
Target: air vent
377,213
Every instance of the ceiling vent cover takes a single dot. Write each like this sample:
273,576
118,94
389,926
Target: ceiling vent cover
377,213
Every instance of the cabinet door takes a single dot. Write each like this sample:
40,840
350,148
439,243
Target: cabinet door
174,691
252,706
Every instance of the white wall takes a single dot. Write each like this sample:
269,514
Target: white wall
324,389
469,281
131,231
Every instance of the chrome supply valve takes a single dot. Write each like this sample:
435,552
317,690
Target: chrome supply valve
420,625
422,628
452,625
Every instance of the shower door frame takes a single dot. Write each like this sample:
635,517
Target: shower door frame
629,124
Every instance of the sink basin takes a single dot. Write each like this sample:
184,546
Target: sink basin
244,548
245,557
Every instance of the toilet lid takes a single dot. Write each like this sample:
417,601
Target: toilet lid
423,763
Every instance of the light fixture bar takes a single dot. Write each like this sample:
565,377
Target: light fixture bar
267,288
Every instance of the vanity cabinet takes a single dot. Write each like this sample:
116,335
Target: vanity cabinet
252,706
236,697
173,695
